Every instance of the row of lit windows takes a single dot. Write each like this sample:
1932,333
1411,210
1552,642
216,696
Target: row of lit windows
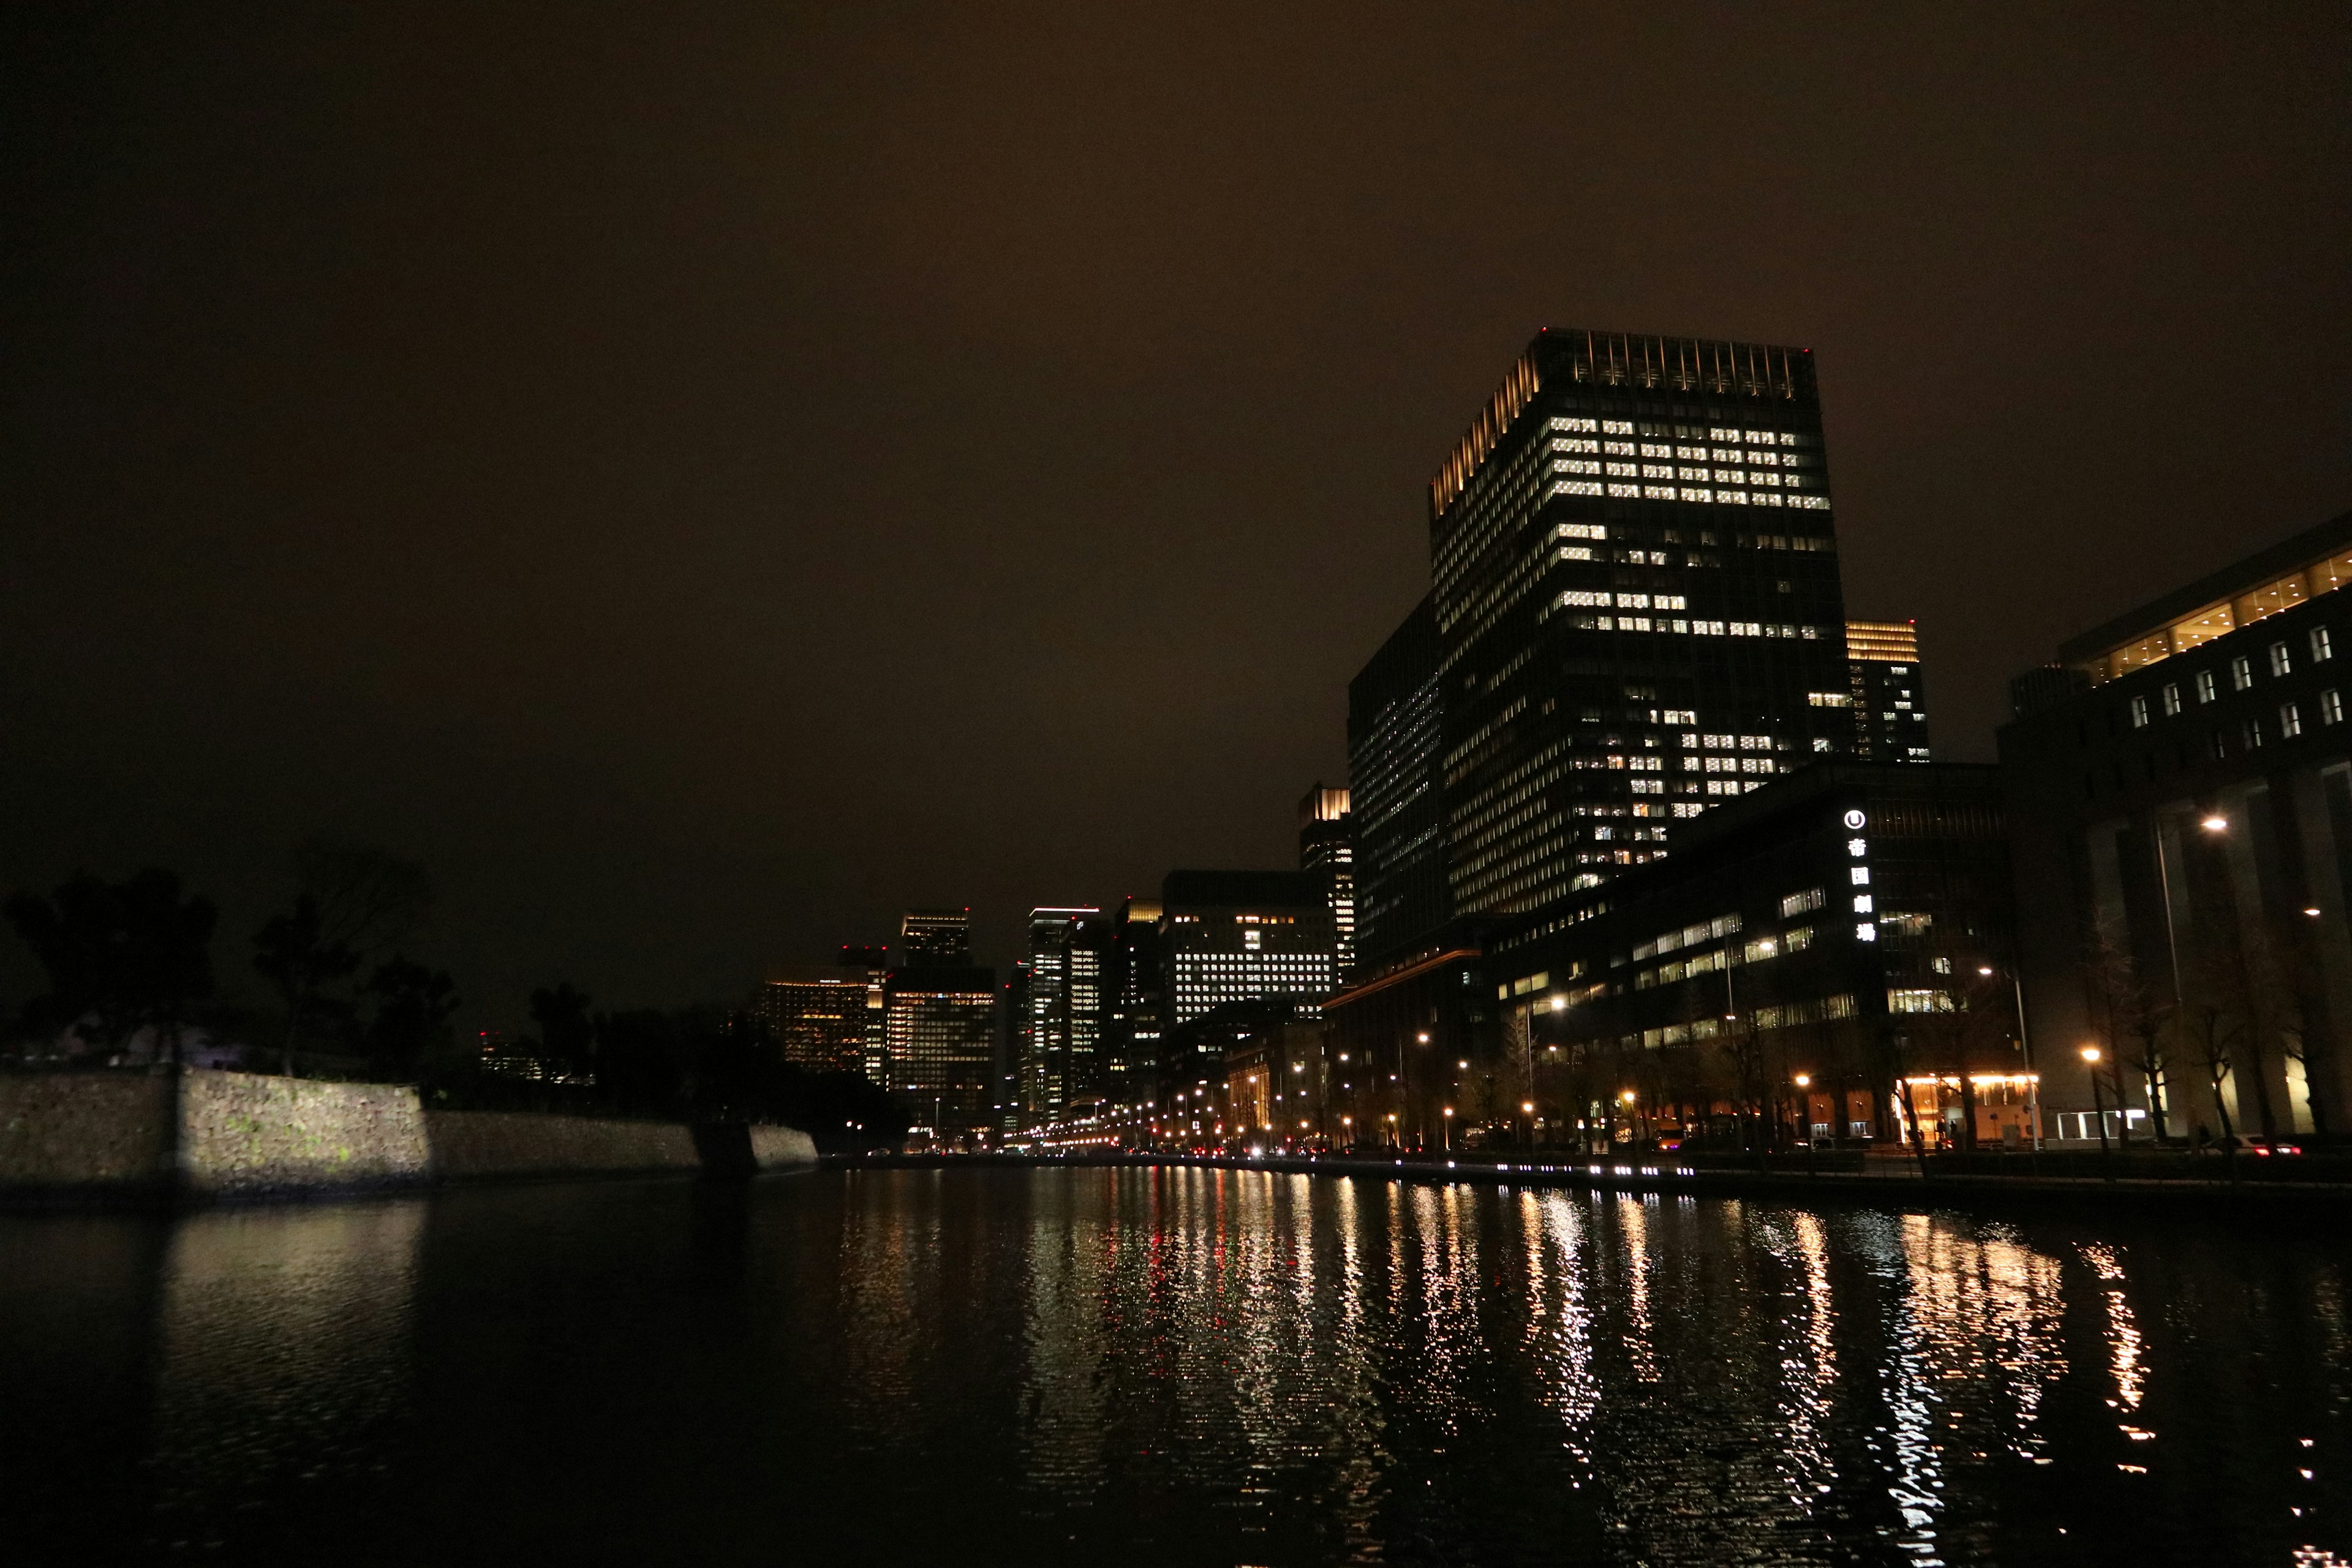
2278,657
1626,601
1686,627
1686,472
1626,490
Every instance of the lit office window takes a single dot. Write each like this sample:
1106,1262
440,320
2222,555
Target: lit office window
2322,650
2139,712
2242,673
2331,708
2281,663
2205,687
2290,721
2171,701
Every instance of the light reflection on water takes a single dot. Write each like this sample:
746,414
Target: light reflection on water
1180,1366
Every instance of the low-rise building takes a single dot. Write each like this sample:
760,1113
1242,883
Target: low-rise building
1827,957
2180,786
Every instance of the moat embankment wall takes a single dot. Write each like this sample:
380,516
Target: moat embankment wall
205,1136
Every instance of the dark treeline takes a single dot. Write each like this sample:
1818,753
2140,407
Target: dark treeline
131,983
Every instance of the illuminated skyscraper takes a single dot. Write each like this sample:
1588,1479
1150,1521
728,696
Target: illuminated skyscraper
1061,1071
1135,985
873,963
1637,604
935,938
1326,851
818,1012
1890,700
940,1024
1242,936
1396,734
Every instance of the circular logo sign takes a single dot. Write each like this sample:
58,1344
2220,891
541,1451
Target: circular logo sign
1855,819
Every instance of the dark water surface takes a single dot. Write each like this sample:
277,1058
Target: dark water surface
1188,1366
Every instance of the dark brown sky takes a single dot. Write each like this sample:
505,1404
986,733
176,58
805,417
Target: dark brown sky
704,480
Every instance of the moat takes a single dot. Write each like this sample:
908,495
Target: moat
1170,1366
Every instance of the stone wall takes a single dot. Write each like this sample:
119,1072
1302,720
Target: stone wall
781,1148
246,1135
472,1144
65,1133
227,1136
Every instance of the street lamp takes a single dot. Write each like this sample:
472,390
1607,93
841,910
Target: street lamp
1446,1129
2098,1111
2215,823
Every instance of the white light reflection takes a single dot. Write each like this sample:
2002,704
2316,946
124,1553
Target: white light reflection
1808,1358
1640,1334
1976,1339
286,1347
1560,1319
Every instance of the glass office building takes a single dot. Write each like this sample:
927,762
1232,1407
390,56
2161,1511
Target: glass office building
1636,604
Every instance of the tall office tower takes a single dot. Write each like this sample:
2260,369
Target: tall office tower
1011,1047
1326,851
874,961
1890,698
1637,601
929,938
1135,1002
818,1012
1241,936
941,1022
1396,734
1062,1065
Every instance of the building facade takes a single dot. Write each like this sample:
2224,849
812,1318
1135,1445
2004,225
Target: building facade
1061,1071
1136,984
2181,790
819,1014
1888,694
935,939
873,963
1396,734
941,1026
1635,592
1828,957
1242,936
1326,851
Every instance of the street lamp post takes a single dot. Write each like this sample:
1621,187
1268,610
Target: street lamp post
1446,1129
1528,1108
2098,1111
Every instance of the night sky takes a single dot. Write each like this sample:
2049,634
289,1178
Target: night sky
704,479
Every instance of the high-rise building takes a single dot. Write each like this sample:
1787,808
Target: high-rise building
1888,695
2180,821
874,964
1326,851
819,1014
1062,1069
935,939
1241,936
1636,594
1396,734
1012,1036
1135,986
941,1022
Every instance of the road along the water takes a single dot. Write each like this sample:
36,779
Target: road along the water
1170,1365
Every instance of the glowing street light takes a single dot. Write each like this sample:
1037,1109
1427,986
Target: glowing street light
2215,823
1805,1080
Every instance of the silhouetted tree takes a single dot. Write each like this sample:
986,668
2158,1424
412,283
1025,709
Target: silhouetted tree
119,957
413,1006
567,1036
294,954
368,899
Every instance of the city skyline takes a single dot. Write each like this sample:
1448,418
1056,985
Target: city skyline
752,503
